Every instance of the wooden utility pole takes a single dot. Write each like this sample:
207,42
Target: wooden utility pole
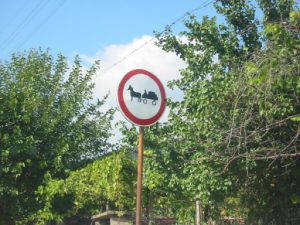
139,178
198,212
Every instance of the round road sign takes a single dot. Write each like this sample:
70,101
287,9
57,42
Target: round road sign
141,97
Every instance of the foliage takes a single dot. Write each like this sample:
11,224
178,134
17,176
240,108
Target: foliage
238,125
232,142
163,193
109,180
49,125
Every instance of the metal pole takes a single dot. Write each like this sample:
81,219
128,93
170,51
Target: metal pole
139,178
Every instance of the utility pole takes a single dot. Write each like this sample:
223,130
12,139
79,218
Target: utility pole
198,213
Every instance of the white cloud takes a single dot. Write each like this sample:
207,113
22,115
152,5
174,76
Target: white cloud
141,53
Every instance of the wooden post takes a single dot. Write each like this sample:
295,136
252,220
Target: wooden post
198,212
139,178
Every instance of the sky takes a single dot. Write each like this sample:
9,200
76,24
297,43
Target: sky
85,27
117,32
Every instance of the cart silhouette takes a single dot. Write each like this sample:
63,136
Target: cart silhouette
151,96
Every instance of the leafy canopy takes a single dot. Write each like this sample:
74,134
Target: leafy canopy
238,124
49,125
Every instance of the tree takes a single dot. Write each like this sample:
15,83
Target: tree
111,180
238,124
163,192
88,191
49,125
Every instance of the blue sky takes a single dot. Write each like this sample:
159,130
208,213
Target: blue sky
77,26
110,31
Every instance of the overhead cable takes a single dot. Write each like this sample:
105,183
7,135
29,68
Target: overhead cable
205,4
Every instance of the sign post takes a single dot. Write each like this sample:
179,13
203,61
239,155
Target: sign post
139,177
142,101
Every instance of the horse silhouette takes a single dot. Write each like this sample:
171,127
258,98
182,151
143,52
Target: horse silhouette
134,94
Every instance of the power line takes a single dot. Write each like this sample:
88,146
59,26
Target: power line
205,4
127,56
34,12
13,17
46,18
29,18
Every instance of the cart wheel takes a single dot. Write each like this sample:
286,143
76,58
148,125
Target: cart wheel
145,101
153,102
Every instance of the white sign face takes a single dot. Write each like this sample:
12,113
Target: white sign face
141,97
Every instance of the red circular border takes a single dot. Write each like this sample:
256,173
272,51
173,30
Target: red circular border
123,107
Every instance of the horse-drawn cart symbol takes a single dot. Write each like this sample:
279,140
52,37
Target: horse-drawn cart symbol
147,95
150,95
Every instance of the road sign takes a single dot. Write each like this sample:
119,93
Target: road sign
141,97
